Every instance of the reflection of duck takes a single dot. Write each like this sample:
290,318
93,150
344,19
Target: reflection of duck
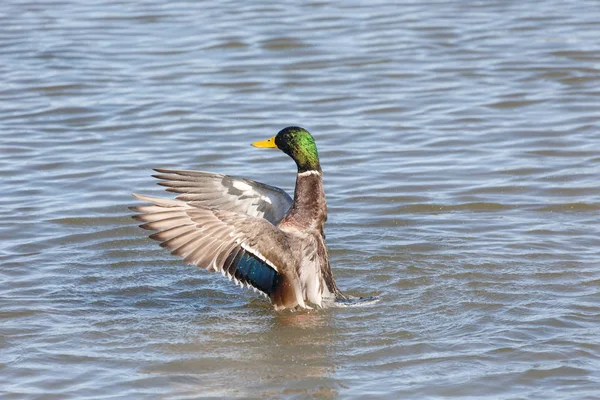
251,232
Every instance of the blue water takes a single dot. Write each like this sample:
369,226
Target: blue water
459,143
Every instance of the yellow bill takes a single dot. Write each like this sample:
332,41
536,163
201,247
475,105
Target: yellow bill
268,144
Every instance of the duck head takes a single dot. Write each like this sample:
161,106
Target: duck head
297,143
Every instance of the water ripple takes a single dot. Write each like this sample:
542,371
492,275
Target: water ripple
459,144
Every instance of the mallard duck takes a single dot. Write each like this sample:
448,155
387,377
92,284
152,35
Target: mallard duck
253,233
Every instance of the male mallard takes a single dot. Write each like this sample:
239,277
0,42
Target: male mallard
251,232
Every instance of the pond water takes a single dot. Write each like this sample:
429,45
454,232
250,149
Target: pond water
460,143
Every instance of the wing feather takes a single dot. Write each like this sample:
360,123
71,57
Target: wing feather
224,241
170,233
240,195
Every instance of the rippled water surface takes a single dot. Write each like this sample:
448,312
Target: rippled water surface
461,148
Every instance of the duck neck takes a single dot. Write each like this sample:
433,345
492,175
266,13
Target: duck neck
309,210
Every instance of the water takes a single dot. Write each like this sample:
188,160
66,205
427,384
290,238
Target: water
460,145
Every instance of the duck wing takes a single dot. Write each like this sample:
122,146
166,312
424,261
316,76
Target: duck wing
227,193
249,250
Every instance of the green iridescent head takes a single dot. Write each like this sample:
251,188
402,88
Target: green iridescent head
297,143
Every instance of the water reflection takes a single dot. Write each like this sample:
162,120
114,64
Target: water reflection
302,320
268,353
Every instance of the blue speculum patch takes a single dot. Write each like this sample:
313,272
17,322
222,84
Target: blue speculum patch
249,268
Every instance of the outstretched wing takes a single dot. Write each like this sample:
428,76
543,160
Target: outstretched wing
249,250
239,195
